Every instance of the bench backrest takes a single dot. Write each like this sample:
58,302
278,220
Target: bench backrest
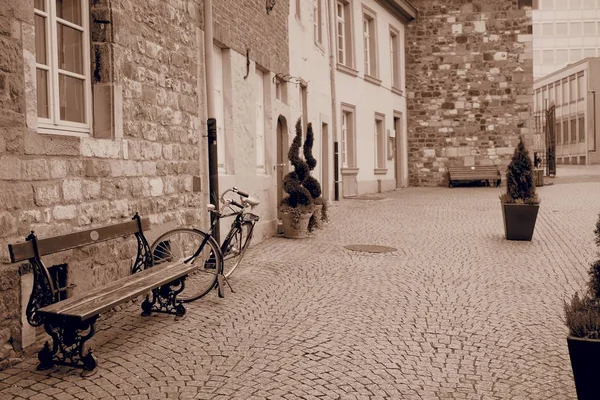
482,168
25,251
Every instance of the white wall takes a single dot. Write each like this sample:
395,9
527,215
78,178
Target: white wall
369,98
310,62
240,141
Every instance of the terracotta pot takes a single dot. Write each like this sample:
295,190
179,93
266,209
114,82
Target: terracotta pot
585,354
317,214
519,220
295,231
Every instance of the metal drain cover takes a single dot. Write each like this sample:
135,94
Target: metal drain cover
370,248
366,198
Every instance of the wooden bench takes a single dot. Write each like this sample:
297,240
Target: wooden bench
70,322
474,173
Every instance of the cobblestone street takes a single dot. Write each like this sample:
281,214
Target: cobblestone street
457,312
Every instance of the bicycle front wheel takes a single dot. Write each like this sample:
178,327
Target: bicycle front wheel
190,246
235,246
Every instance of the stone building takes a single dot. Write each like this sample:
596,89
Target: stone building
102,110
469,82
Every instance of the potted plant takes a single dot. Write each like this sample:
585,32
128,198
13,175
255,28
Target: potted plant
582,317
312,184
520,203
297,207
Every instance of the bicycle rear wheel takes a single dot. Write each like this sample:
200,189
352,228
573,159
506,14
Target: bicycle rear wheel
185,245
235,246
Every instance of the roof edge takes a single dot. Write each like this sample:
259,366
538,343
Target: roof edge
403,9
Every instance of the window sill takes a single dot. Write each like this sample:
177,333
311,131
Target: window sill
320,46
380,171
397,91
347,70
373,80
62,131
349,171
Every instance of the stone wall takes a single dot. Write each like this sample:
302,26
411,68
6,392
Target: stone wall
141,156
245,24
469,84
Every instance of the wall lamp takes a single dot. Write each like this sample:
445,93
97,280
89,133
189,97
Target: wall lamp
270,5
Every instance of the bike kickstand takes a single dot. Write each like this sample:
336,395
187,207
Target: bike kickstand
228,284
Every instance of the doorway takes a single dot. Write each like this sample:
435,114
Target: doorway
398,147
282,163
325,160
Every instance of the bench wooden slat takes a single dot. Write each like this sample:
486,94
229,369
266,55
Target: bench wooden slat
102,299
25,251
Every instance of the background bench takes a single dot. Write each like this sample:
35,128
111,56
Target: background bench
474,173
70,322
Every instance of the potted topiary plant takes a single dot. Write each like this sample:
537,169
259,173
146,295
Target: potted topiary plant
312,184
582,317
296,208
520,203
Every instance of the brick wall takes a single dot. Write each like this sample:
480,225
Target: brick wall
469,84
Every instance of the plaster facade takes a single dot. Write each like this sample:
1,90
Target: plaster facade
371,98
310,77
470,85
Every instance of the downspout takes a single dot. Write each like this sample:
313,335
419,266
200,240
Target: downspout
211,123
331,34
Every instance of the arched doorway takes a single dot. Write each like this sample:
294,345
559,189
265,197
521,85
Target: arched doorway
282,162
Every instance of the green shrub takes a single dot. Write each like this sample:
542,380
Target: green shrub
311,183
582,314
298,201
520,186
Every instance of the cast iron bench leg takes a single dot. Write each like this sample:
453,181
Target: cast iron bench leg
164,299
68,340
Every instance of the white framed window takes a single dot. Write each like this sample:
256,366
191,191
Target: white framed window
395,58
317,22
370,43
380,157
575,28
63,66
589,28
548,56
260,120
548,29
344,33
219,108
347,143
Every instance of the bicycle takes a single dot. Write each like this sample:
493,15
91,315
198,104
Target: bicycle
214,262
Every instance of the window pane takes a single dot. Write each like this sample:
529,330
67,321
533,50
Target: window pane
70,44
548,56
72,103
562,56
589,28
42,93
69,10
589,53
581,129
575,28
548,29
40,39
40,5
562,29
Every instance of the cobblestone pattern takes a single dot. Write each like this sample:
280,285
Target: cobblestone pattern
469,85
457,312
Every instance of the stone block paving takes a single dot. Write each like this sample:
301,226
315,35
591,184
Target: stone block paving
457,312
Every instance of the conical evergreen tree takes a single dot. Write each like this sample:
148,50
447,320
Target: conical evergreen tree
520,186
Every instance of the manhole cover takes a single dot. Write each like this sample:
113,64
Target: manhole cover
366,198
370,248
